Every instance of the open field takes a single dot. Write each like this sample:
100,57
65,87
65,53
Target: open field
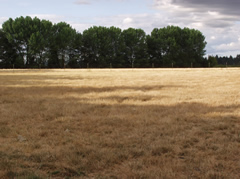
149,123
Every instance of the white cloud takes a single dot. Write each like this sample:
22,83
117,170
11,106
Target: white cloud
213,37
82,2
127,20
144,21
223,41
80,27
230,43
51,17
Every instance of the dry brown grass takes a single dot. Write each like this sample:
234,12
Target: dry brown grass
166,123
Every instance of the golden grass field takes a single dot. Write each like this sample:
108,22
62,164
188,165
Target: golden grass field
119,123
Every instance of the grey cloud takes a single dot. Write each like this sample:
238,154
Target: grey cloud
210,13
217,19
218,23
230,7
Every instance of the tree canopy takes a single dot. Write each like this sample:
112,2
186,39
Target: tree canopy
33,43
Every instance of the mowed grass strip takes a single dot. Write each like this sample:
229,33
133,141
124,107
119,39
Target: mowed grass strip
140,123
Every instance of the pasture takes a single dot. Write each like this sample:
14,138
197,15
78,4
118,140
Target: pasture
120,123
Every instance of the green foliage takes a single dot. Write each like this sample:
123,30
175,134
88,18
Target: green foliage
134,46
212,61
18,33
8,53
75,51
61,41
39,41
173,45
31,42
228,61
102,46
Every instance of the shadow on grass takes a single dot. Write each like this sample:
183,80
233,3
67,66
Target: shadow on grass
117,139
57,90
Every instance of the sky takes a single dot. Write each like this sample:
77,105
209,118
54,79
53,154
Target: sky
218,20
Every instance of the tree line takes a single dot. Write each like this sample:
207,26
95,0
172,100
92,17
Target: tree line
228,61
27,42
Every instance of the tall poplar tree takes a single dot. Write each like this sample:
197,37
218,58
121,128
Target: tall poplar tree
134,46
62,37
